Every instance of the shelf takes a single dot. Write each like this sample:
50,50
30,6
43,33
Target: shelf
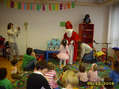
86,33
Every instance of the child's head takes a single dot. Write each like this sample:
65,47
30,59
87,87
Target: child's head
3,73
107,79
94,67
82,68
14,62
71,78
51,66
42,66
64,42
116,66
29,51
10,25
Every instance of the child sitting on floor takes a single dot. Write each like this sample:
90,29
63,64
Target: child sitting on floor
114,74
14,71
82,75
93,74
70,80
4,82
29,60
51,76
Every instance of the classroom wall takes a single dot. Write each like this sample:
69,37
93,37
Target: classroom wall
43,26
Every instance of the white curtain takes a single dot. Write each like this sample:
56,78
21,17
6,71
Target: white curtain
113,31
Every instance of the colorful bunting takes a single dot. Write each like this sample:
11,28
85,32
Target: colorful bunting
67,4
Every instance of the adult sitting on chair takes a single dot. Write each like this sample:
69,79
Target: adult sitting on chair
29,60
85,52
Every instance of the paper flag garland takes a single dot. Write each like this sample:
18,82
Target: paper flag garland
67,4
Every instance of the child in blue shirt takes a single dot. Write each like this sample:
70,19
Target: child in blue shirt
114,74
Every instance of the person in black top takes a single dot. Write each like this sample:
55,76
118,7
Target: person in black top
37,80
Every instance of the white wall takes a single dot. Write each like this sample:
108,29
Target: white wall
44,26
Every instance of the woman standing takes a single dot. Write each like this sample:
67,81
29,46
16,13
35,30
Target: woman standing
12,35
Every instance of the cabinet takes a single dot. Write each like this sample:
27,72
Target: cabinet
86,33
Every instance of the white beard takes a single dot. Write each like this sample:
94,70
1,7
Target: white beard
69,33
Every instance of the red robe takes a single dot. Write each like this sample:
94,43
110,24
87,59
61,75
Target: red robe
75,38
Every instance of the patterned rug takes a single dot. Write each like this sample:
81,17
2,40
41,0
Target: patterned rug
103,71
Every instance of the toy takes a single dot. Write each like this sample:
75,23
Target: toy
53,44
87,19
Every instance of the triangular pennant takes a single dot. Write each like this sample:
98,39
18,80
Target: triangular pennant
15,4
8,3
50,7
68,5
38,7
53,7
19,5
61,5
73,5
25,6
22,5
12,4
56,6
28,6
43,7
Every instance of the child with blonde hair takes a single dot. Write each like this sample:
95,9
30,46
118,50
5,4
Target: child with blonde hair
93,73
70,80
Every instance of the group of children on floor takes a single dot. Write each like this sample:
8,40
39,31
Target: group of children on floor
44,74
